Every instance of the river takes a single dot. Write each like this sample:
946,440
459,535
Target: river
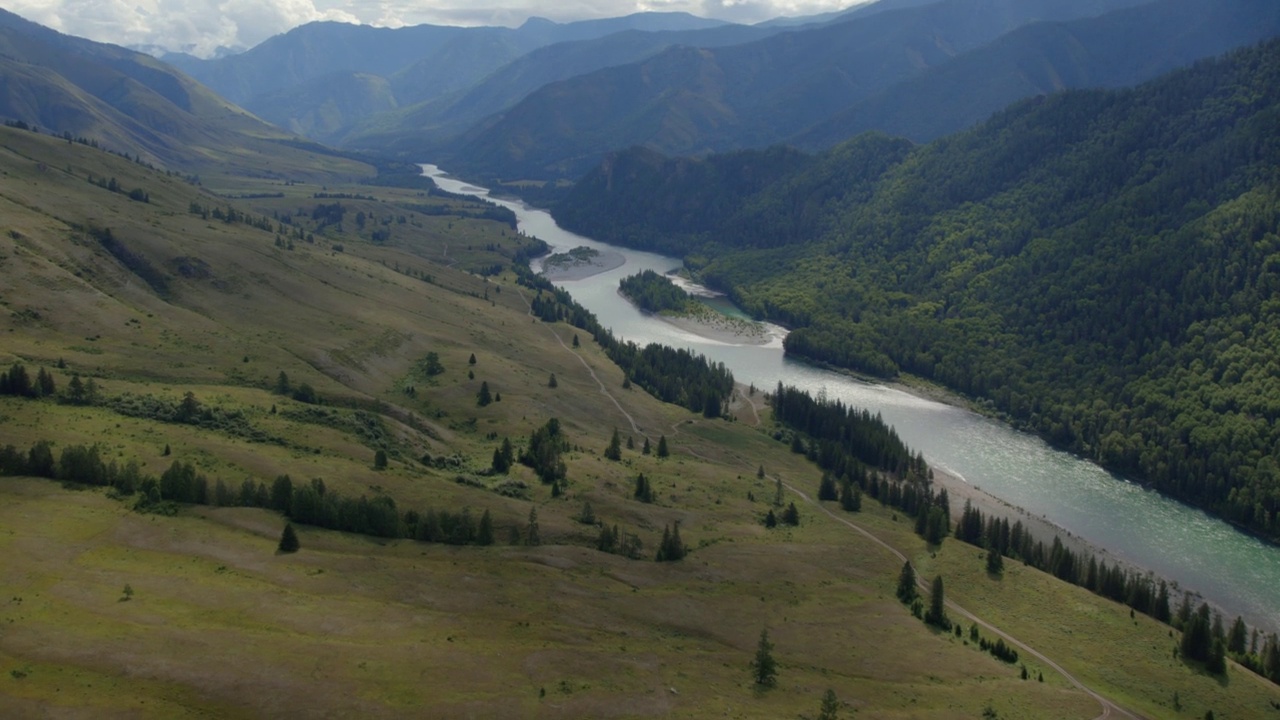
1238,573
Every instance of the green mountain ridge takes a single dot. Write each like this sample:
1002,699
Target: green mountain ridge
130,102
1098,266
687,101
1118,49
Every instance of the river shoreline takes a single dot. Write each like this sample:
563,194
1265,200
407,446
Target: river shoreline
1045,488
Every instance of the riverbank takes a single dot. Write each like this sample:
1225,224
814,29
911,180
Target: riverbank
580,263
1041,528
720,328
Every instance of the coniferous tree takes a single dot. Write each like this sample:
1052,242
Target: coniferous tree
483,397
830,708
764,669
614,451
770,520
380,459
995,562
484,534
471,360
644,450
791,515
907,591
937,614
850,497
282,383
551,383
672,547
1237,637
499,464
289,539
827,488
644,490
663,451
533,535
45,384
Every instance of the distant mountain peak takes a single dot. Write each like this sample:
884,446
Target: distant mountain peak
537,22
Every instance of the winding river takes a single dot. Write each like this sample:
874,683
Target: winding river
1238,573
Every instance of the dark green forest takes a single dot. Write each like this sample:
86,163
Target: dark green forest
653,292
1100,267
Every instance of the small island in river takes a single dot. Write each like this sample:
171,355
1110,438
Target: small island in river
656,294
580,262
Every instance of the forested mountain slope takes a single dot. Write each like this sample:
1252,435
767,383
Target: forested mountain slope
419,127
1118,49
688,100
1102,266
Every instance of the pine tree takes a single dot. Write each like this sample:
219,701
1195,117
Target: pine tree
575,340
289,539
827,488
663,451
672,547
764,668
995,561
380,459
483,397
471,360
282,384
791,515
907,591
937,614
532,536
830,709
614,451
644,450
643,491
551,383
484,536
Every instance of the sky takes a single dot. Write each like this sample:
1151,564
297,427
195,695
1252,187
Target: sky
200,27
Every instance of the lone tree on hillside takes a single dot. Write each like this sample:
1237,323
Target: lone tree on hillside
764,668
483,397
614,451
552,382
289,540
907,584
937,615
830,706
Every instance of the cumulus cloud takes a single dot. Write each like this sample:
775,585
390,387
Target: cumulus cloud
201,27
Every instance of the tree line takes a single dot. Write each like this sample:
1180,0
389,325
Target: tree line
1205,640
676,376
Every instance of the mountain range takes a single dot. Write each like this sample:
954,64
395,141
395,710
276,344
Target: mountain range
1097,266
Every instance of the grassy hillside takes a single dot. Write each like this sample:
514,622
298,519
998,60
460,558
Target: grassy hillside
130,102
113,611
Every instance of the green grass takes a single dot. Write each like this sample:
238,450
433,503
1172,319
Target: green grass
221,625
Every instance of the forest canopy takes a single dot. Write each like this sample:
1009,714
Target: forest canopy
1101,267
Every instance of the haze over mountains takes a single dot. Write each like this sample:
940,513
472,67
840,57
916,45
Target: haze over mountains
547,100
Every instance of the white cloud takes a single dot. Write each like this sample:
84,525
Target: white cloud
202,26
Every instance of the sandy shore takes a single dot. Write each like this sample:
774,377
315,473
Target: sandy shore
563,266
720,328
